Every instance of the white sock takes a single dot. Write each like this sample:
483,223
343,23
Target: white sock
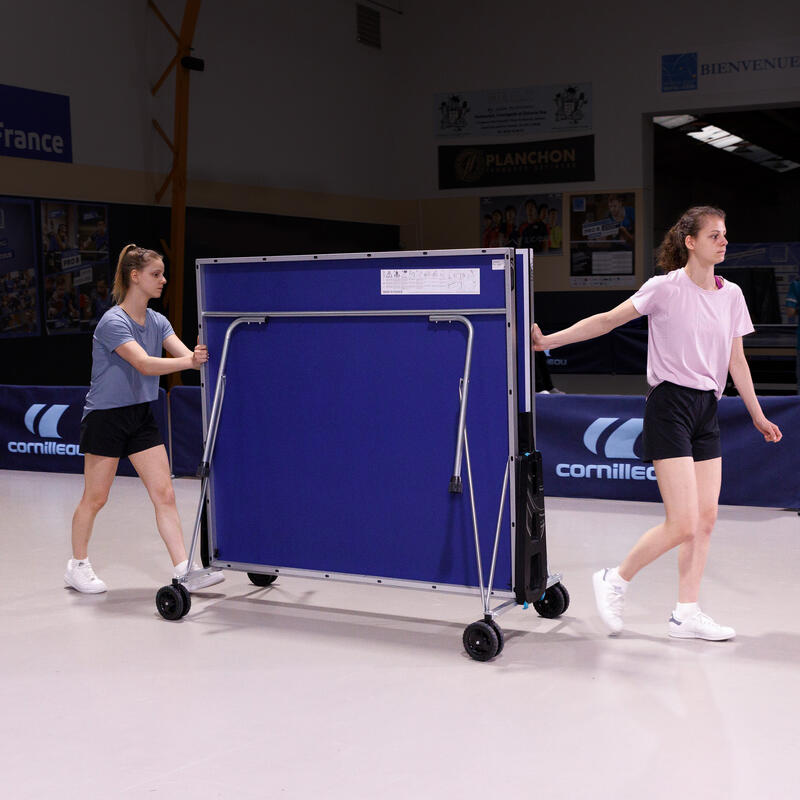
76,562
180,569
685,610
614,578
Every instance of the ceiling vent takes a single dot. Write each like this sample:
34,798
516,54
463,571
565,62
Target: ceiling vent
368,26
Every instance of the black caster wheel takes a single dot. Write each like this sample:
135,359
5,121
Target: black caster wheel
169,602
481,641
258,579
566,596
553,603
501,637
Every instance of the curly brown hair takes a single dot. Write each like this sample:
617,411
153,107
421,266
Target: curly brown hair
672,254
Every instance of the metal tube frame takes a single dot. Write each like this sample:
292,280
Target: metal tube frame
455,480
211,439
435,315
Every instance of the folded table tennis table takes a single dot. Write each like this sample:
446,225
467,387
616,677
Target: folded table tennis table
370,418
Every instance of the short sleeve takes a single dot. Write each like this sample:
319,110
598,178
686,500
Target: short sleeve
112,331
649,298
741,324
164,326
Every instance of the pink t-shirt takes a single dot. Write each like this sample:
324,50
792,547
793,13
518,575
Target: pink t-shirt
691,330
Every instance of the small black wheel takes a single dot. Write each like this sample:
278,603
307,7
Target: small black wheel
566,596
501,637
481,641
261,580
187,599
552,603
169,602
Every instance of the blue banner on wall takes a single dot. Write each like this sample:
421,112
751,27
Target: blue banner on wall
40,428
591,447
35,124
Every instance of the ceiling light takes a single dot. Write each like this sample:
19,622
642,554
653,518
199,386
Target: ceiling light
724,140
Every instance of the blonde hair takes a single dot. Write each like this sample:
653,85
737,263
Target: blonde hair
131,258
673,254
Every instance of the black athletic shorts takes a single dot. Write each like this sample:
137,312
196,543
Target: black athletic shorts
118,432
679,421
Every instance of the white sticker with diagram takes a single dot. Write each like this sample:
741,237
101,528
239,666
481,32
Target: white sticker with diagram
464,280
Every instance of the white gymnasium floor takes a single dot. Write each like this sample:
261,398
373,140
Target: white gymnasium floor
305,690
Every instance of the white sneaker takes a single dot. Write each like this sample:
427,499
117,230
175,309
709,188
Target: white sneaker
610,600
80,576
197,582
699,626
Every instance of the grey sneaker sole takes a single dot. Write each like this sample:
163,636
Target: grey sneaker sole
93,590
691,635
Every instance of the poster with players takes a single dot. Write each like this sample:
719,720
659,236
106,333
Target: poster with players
523,221
602,239
19,301
76,262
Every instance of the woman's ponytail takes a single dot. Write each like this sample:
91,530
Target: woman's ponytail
131,258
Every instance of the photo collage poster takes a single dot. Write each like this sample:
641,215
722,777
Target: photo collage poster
76,264
533,221
19,299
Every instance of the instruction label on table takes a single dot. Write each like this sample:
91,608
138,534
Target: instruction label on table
466,280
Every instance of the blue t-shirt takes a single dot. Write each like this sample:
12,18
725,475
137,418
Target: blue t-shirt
115,382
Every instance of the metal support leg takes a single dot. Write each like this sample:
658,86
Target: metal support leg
486,592
455,480
484,597
204,470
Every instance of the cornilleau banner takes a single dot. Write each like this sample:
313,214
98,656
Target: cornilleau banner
591,447
34,124
40,428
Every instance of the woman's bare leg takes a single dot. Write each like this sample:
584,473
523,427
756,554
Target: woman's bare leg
693,553
153,468
98,475
677,482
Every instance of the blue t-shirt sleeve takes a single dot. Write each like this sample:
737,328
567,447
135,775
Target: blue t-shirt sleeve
164,326
112,331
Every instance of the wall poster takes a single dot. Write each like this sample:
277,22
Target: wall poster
76,263
602,240
526,220
19,299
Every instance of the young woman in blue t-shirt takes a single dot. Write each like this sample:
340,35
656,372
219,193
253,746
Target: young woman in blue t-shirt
117,420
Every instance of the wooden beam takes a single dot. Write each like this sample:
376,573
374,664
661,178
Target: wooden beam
164,75
160,192
163,20
164,135
174,290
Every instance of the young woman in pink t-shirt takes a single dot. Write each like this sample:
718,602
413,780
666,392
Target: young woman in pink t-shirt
696,323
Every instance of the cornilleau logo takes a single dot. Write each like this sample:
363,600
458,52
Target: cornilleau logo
48,422
44,423
618,445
